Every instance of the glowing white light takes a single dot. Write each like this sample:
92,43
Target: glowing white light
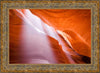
35,42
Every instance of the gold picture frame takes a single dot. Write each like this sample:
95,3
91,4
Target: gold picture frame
68,4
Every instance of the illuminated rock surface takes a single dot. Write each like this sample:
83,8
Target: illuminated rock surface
50,36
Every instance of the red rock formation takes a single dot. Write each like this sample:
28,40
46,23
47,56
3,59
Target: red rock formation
75,22
78,20
33,41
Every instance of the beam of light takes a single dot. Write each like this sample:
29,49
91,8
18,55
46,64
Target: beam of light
35,44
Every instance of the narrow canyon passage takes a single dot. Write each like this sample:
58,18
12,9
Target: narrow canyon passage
39,36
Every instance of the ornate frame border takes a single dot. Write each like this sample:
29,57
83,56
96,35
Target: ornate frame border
4,17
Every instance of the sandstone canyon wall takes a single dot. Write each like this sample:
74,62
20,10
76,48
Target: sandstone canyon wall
50,36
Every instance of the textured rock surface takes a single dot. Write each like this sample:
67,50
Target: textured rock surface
36,39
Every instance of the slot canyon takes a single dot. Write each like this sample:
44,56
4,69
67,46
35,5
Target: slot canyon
49,36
